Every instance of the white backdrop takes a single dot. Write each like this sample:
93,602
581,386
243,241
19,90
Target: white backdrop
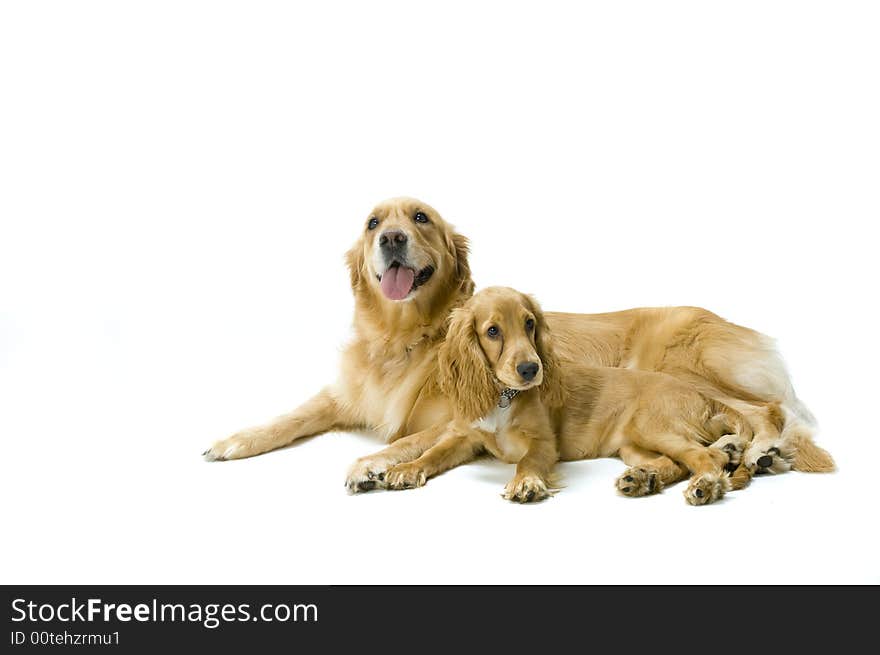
180,180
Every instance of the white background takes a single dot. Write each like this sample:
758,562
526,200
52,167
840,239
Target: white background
180,180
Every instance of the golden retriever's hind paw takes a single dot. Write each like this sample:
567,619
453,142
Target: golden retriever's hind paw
772,460
405,476
529,489
707,488
639,481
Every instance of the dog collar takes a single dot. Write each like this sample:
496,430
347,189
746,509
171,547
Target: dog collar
507,395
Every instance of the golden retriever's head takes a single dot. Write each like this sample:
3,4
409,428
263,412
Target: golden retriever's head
407,250
498,339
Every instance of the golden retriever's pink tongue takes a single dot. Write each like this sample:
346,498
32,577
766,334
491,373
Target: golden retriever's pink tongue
397,282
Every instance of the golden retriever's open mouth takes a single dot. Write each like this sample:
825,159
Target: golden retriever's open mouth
399,281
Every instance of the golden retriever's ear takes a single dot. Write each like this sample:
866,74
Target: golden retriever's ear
552,392
465,376
354,259
458,247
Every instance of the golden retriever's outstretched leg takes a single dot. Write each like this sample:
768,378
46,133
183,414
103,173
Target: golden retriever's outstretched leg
532,481
649,472
369,472
453,449
320,414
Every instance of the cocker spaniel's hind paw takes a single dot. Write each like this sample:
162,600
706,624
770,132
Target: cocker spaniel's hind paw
639,481
707,488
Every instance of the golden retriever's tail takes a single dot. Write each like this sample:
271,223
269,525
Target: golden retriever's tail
808,457
797,433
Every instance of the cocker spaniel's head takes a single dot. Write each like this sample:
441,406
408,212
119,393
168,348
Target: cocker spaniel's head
498,340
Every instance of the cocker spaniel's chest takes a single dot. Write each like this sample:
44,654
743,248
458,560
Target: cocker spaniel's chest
500,436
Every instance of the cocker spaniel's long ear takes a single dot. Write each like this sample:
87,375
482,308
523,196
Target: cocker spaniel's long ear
354,259
459,249
466,377
552,391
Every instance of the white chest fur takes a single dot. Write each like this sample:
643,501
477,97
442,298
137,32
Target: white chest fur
494,421
507,446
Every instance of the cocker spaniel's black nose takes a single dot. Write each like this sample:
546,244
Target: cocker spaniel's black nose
527,370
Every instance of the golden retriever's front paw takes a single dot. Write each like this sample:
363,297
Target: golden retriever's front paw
526,489
405,476
707,488
365,475
240,445
639,481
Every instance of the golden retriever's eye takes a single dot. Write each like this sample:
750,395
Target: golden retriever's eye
493,332
373,224
530,324
421,217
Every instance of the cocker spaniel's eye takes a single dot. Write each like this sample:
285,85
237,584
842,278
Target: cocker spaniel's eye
373,224
421,217
530,324
493,332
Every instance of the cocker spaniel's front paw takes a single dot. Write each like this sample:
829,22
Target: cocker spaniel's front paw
405,476
527,489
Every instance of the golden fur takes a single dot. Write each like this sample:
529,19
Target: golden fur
384,368
382,384
729,363
657,424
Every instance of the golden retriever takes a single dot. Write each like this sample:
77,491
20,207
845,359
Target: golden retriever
512,399
409,270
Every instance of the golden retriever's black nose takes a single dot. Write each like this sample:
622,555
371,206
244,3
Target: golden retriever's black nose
392,239
527,370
